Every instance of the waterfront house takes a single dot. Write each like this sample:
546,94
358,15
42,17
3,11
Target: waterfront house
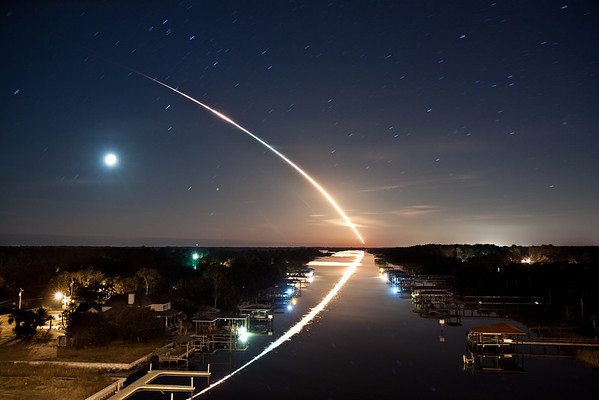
161,305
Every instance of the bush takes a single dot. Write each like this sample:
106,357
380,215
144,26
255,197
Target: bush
139,324
88,329
26,321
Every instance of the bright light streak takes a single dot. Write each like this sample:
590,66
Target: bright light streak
288,161
351,268
328,263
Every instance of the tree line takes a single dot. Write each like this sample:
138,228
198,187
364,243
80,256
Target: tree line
191,278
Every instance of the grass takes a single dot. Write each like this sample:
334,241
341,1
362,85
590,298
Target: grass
20,381
49,382
44,347
589,356
114,352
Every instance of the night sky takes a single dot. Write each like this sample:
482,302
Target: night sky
427,121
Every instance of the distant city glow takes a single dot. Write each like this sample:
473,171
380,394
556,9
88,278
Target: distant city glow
351,268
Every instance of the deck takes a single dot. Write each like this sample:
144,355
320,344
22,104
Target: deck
145,383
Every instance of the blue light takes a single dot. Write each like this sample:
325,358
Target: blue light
289,291
289,307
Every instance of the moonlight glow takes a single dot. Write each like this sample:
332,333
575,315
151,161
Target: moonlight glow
110,160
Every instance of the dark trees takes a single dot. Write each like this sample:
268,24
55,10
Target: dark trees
139,324
26,321
88,329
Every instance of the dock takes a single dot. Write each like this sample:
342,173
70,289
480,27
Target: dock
145,383
501,348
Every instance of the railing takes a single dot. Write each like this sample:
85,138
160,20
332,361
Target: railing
108,390
557,341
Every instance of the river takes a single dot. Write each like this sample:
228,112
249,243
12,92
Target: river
369,343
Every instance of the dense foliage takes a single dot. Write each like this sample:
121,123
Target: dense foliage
88,329
139,324
190,276
27,321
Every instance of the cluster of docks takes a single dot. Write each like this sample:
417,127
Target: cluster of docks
211,331
433,297
494,348
214,330
502,347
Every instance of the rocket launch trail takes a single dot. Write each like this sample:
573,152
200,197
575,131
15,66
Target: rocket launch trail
288,161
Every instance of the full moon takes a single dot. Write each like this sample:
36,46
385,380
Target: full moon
110,160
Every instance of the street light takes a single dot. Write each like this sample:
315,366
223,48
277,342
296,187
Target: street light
65,300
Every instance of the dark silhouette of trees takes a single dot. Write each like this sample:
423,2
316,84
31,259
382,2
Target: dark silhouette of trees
564,278
88,329
148,276
220,277
139,324
27,321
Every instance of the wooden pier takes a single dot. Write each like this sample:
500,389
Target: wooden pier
501,347
145,383
220,331
260,317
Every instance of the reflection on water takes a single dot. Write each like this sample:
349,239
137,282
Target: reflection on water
368,342
350,265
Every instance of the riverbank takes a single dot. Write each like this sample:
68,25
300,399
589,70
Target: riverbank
20,381
45,379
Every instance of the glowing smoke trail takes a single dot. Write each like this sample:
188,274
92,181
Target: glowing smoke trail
288,161
351,268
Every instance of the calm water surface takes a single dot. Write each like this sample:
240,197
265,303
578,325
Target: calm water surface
368,342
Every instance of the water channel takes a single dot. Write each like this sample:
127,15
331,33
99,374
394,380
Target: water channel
368,342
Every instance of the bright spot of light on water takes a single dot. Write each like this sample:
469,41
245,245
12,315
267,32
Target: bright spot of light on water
351,268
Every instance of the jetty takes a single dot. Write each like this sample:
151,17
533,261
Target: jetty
146,384
501,347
